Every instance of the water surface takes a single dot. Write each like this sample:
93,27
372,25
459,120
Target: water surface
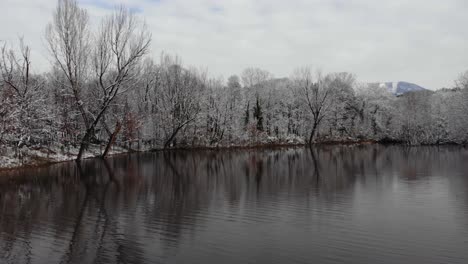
335,204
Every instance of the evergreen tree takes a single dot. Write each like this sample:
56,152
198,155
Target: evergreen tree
258,115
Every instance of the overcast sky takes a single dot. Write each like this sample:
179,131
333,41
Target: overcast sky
420,41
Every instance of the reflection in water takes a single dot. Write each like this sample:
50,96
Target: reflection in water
330,204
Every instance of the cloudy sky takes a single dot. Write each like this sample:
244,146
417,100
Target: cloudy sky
420,41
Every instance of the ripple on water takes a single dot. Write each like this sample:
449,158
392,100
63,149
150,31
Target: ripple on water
368,204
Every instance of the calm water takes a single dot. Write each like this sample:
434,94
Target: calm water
335,204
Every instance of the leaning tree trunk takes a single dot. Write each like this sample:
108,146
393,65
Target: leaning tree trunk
168,142
312,133
84,144
112,139
90,130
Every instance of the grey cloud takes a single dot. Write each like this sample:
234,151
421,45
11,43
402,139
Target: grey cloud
418,41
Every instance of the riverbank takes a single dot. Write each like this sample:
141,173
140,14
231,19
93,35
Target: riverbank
40,157
32,158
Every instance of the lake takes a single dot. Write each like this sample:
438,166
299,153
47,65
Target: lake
331,204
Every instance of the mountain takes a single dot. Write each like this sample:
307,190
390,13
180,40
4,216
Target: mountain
399,88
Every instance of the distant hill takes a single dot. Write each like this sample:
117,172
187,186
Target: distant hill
399,88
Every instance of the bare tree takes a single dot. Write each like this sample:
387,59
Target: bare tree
254,76
344,109
68,37
415,115
234,100
315,95
462,81
120,44
23,96
217,109
178,103
376,111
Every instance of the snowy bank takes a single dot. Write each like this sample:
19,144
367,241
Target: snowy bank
31,157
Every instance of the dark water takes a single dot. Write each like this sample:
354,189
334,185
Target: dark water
337,204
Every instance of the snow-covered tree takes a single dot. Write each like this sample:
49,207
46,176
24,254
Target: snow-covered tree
107,70
178,94
25,117
316,96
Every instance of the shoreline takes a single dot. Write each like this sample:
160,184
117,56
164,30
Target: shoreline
44,162
48,162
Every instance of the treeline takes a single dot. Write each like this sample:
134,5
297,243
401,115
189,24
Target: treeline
105,89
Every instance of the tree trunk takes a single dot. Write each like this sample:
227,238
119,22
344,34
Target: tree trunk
167,144
316,168
174,134
112,138
86,138
83,145
312,133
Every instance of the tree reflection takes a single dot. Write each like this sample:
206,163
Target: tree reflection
316,174
141,208
73,253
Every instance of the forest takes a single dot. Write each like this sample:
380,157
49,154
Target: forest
105,90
